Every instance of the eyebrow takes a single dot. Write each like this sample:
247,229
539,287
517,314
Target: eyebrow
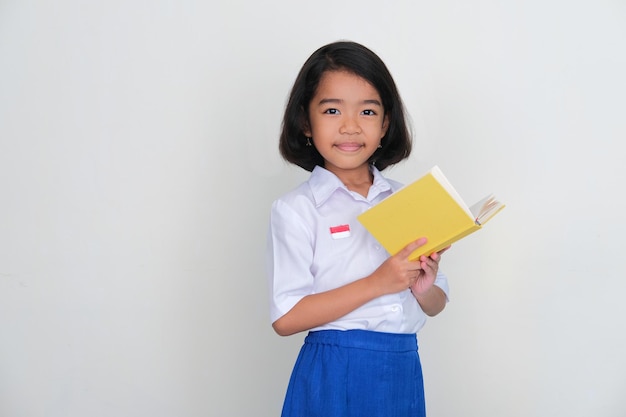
336,100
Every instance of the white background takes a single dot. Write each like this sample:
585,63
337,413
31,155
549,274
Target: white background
138,161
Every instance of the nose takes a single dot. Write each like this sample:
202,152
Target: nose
350,126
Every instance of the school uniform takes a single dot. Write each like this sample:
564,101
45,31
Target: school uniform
365,363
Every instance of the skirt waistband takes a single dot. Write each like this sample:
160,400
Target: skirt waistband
365,339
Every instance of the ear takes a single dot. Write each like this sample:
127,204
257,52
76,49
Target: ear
385,126
306,129
304,122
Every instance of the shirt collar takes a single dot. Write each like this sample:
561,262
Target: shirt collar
324,183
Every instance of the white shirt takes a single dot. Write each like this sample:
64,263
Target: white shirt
305,257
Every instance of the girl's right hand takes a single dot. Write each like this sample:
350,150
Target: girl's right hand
398,273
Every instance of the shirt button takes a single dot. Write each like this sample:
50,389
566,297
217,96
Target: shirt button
395,308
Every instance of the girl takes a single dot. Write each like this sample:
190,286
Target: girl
345,123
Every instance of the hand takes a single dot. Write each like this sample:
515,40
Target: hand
429,265
398,273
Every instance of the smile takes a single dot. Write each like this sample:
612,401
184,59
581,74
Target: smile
349,146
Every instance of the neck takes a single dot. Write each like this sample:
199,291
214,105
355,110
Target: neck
359,180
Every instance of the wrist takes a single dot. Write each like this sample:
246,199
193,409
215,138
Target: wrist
374,285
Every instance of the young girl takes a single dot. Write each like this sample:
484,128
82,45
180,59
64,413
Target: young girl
345,123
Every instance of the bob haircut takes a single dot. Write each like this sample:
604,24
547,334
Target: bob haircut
358,60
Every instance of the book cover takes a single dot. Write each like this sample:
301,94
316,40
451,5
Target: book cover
429,207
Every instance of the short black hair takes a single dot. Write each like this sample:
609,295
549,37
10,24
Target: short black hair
361,61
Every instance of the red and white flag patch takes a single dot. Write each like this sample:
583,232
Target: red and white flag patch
340,232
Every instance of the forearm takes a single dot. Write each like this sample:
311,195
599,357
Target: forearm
432,302
318,309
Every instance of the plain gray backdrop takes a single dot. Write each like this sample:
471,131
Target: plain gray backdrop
138,161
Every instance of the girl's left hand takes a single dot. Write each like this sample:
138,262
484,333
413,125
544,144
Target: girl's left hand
426,275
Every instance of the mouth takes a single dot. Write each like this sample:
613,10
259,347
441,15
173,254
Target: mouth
349,146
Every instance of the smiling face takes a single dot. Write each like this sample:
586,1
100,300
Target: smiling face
346,122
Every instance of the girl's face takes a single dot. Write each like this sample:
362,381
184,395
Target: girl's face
347,122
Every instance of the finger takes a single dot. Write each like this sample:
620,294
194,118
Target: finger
436,256
430,269
433,256
429,262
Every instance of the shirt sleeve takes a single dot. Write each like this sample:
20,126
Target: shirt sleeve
442,282
289,257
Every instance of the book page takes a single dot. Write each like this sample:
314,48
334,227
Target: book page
438,174
485,209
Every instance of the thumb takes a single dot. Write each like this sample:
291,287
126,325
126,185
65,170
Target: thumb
411,247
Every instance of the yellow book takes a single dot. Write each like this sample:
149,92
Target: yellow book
429,207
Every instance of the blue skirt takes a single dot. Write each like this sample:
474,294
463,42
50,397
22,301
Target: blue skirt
356,373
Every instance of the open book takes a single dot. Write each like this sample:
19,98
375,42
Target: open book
429,207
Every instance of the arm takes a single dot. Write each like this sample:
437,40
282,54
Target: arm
396,274
317,309
433,301
431,298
